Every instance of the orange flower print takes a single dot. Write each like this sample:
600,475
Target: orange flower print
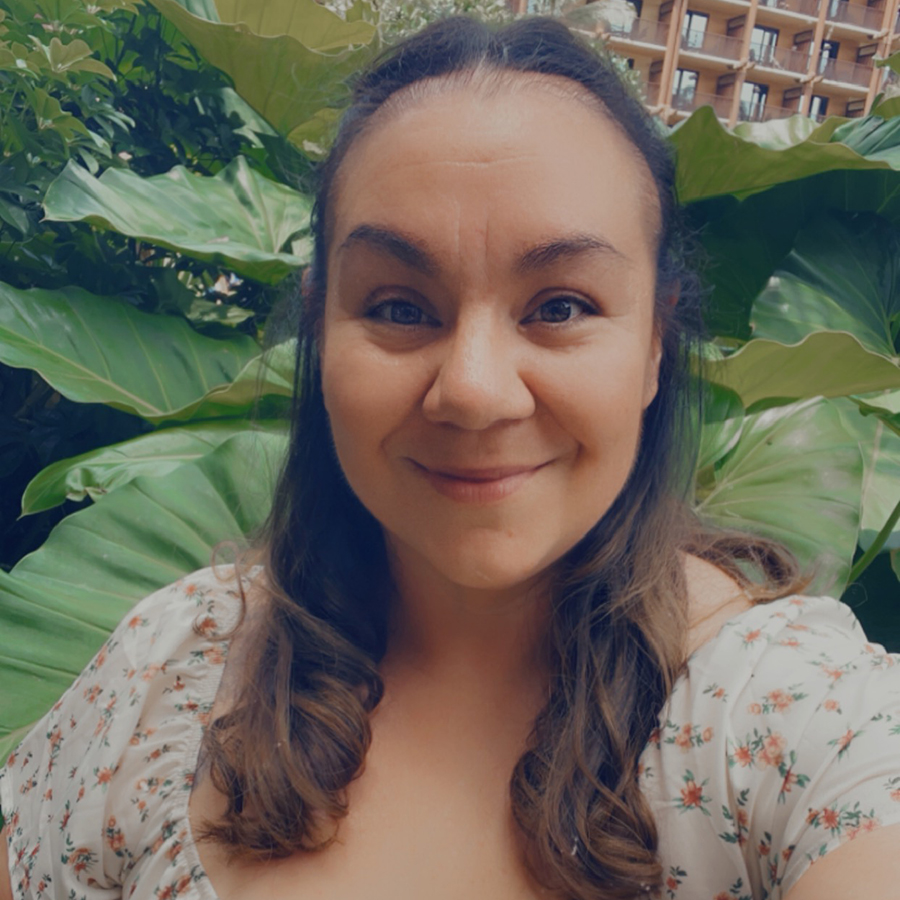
683,738
772,751
843,742
136,622
789,642
780,700
214,655
832,706
115,839
754,709
671,883
104,775
692,796
206,626
750,637
707,735
830,818
80,858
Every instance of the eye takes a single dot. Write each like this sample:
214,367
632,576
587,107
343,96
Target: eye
400,312
560,310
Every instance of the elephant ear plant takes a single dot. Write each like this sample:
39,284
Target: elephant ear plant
152,206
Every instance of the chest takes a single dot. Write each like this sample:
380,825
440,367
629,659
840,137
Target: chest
429,817
402,840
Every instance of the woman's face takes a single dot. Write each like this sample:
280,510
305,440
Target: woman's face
488,342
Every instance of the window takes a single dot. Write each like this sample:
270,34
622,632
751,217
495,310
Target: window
762,44
684,88
829,51
693,29
753,101
818,106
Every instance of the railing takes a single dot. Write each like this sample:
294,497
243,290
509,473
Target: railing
780,58
654,33
845,71
776,112
854,14
694,100
711,44
804,7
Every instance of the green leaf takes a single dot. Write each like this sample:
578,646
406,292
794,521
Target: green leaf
795,476
72,57
877,429
59,603
267,377
237,218
97,350
287,58
50,115
892,62
746,241
824,364
842,275
714,161
723,421
95,473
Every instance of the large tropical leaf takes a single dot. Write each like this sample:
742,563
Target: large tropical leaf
288,58
746,241
236,218
713,160
842,275
826,364
264,386
95,473
58,604
98,350
880,446
795,475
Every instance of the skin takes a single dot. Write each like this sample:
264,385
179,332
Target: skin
487,441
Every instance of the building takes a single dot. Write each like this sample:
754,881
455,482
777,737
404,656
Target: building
752,60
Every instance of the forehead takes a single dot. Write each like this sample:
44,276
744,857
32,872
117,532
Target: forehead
531,152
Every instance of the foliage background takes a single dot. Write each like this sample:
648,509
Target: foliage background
154,177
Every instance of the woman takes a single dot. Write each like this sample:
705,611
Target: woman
463,671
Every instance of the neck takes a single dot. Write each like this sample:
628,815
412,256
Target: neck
489,640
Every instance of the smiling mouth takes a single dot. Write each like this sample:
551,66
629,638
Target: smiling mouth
477,485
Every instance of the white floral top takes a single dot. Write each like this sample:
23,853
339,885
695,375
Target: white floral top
781,741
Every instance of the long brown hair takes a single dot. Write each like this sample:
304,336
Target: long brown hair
299,731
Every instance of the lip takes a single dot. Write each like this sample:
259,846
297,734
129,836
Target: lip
477,485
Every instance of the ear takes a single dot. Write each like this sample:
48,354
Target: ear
651,380
651,384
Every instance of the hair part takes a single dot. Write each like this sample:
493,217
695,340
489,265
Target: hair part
619,599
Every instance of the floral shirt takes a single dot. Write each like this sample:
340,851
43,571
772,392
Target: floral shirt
780,742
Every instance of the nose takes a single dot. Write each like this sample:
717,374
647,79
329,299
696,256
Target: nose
478,381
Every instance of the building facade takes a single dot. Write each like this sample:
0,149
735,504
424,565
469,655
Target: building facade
752,60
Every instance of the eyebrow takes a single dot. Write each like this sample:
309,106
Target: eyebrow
414,254
550,252
393,243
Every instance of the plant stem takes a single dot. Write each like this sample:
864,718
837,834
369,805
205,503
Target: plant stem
865,560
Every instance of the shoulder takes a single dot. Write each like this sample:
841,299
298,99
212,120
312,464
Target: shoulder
98,785
783,734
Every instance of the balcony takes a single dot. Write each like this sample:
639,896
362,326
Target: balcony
801,7
718,45
782,58
846,72
854,14
691,100
639,32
